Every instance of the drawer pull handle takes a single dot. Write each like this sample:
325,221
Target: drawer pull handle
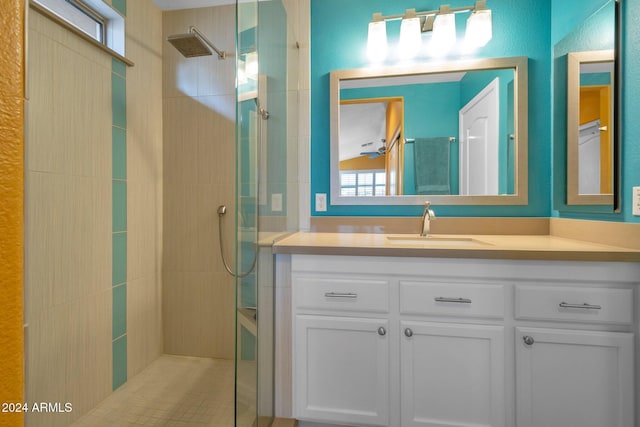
528,340
584,305
456,300
340,295
382,331
408,333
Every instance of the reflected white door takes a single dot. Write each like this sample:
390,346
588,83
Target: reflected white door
479,142
589,158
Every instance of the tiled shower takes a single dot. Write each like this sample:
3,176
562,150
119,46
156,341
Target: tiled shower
125,168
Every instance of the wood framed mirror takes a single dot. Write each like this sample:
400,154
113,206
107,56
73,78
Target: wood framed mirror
425,122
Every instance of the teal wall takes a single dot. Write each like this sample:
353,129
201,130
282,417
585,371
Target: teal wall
595,32
630,106
540,30
567,14
338,41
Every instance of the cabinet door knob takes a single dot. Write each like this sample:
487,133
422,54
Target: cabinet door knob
382,331
408,332
528,340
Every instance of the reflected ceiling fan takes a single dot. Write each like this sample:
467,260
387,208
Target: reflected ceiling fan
373,154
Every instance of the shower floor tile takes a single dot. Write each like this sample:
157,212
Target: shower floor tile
171,391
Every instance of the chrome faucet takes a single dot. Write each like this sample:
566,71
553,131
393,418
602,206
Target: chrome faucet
427,216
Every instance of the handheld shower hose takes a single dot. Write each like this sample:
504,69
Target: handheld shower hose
222,210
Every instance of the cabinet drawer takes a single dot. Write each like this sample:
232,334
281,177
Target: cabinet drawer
341,294
456,299
579,304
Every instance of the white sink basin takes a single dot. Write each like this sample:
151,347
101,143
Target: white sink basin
430,241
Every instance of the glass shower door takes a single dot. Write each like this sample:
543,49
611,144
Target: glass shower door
264,196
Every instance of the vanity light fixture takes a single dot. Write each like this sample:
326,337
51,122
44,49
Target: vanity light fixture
440,23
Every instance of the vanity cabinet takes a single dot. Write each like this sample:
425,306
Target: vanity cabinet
460,342
451,374
342,350
574,377
342,369
451,371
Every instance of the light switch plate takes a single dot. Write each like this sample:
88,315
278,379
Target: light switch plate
636,201
321,202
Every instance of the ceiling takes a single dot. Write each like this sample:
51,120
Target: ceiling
362,128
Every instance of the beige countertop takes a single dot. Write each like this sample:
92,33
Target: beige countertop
534,247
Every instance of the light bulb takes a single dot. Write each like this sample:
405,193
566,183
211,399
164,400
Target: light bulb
377,41
479,29
444,33
410,37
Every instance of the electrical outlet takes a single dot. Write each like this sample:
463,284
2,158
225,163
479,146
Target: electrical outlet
321,202
276,202
636,201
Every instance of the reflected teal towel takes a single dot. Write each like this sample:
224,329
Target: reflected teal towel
432,165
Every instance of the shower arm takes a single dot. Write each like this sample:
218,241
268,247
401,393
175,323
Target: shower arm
221,54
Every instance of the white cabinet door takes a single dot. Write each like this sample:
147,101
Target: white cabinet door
342,370
574,378
452,375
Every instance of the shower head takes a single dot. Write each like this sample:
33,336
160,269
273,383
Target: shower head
189,45
193,44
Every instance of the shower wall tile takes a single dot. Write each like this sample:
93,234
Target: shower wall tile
70,302
89,382
119,262
198,316
119,223
120,6
144,319
283,369
118,67
119,93
191,227
217,76
216,140
76,366
65,136
67,238
53,31
119,318
119,362
180,74
144,185
199,175
180,135
119,153
119,205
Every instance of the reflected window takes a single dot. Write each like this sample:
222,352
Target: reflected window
363,183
